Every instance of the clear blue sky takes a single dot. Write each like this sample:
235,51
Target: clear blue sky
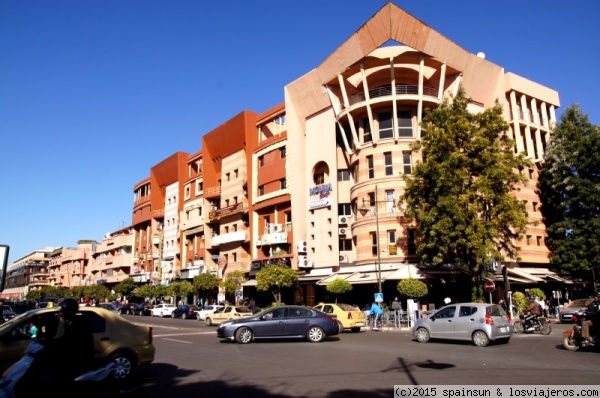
95,93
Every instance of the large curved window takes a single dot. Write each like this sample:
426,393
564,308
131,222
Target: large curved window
320,172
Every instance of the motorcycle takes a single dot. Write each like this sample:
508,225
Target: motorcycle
27,374
538,324
573,339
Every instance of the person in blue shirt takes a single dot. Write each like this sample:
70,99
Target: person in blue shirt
377,313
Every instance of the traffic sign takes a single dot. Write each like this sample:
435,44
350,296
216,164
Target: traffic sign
379,297
489,286
238,294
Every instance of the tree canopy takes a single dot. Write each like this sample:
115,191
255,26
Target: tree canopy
275,278
462,191
412,288
569,190
338,286
126,287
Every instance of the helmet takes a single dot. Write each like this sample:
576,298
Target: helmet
597,294
447,300
69,307
531,297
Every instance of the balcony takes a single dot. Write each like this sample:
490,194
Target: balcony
401,89
237,208
238,236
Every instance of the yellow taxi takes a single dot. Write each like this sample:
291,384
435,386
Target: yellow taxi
226,313
115,338
348,316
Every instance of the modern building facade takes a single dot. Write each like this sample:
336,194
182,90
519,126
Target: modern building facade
315,182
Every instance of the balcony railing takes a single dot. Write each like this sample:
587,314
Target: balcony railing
401,89
226,211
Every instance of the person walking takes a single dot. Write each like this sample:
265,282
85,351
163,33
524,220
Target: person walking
377,313
397,308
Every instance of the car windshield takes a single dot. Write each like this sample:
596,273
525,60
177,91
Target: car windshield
243,309
494,310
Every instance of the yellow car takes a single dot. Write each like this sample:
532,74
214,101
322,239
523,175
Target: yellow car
227,313
348,316
115,338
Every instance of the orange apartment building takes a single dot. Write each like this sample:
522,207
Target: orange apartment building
315,182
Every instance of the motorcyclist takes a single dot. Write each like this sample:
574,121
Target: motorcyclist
592,317
534,310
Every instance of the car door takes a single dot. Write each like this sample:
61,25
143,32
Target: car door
465,322
270,324
297,321
442,323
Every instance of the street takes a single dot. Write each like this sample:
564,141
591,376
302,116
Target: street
191,361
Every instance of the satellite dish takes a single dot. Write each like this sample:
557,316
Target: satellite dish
481,55
107,235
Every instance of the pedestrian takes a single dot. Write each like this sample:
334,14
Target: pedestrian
253,306
377,313
397,308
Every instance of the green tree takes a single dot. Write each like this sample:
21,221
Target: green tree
462,192
520,301
34,295
160,291
205,282
412,288
569,190
338,286
275,278
233,281
126,287
144,292
538,293
180,289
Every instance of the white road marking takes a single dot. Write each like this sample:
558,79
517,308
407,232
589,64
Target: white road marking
180,341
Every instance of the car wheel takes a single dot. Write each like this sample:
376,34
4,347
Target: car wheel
315,334
198,317
355,330
480,339
243,335
173,315
422,335
340,327
124,365
518,326
141,313
208,321
184,316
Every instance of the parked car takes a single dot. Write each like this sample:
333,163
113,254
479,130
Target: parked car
185,311
292,321
142,310
115,338
110,307
127,308
8,312
348,317
162,310
476,322
207,309
227,313
565,314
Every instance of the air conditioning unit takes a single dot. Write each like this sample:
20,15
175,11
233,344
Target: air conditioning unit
342,231
302,246
304,262
277,228
258,243
343,220
343,258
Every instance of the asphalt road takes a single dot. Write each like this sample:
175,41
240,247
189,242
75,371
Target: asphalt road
192,362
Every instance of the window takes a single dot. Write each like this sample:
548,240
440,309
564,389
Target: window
344,209
261,161
531,174
345,245
283,183
389,202
389,168
227,176
385,125
366,131
261,190
412,243
343,175
283,152
187,191
535,206
392,240
407,162
370,166
373,243
539,240
199,187
405,124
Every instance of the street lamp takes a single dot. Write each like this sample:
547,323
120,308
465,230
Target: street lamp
364,211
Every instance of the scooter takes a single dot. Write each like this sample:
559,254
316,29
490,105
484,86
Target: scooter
20,377
573,339
538,324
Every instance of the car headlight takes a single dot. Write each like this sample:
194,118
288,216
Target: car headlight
225,324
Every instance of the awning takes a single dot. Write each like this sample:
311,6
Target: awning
359,278
407,271
335,275
250,282
521,273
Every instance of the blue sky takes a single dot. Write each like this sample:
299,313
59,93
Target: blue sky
95,93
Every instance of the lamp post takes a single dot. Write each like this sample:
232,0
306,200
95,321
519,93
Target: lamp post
364,211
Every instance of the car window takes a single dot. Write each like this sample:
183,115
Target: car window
494,310
347,307
578,303
467,310
328,309
276,313
242,309
97,322
299,313
228,310
446,312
